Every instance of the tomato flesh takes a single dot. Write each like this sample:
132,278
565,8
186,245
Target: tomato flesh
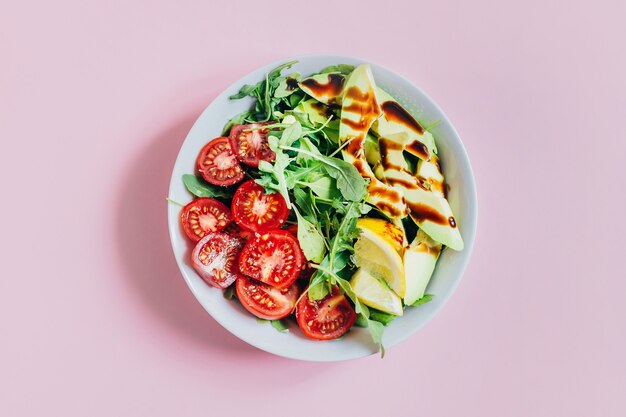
265,301
250,144
256,211
325,319
202,216
217,163
233,229
215,258
274,258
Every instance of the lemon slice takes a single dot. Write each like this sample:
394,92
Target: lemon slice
378,254
375,293
386,230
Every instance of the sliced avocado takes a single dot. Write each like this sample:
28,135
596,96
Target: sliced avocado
372,152
430,210
419,263
327,88
317,112
397,119
359,110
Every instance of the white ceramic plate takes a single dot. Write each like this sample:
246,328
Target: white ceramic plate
357,342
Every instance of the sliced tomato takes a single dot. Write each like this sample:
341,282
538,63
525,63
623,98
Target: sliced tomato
325,319
204,215
307,271
256,211
274,258
215,258
250,144
233,229
293,229
217,163
265,301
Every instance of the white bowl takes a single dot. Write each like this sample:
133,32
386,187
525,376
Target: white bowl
356,343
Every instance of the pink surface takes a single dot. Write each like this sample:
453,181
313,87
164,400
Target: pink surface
95,100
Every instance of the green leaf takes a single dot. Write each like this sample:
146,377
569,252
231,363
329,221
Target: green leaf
352,185
324,187
246,90
425,299
317,285
240,119
311,239
344,69
381,316
280,325
376,331
292,133
229,293
199,188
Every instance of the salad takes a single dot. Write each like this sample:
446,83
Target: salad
325,201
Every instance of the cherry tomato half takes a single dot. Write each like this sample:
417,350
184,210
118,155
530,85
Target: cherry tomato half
274,258
204,215
265,301
215,258
256,211
250,146
217,163
325,319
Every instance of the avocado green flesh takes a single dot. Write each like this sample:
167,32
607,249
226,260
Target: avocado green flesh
422,256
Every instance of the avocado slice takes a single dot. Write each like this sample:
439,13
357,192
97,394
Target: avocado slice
419,263
359,110
326,88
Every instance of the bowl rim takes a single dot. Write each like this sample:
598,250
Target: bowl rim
469,226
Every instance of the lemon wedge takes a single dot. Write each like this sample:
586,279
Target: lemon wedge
374,293
386,230
376,251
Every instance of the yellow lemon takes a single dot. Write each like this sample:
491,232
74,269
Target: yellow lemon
376,251
374,293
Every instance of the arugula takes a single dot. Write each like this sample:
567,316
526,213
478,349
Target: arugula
425,299
200,188
280,325
264,91
344,69
311,239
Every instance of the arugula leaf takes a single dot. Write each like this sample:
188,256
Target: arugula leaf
311,240
344,69
277,171
376,330
317,285
352,185
425,299
240,119
229,293
381,316
323,186
199,188
246,90
280,325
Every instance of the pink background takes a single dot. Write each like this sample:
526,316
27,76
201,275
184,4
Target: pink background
95,100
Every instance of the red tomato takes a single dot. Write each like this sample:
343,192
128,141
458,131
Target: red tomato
256,211
325,319
204,215
265,301
250,146
293,229
215,259
233,229
274,258
217,163
307,271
